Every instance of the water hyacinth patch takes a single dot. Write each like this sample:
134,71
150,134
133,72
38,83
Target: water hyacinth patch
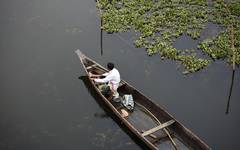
160,22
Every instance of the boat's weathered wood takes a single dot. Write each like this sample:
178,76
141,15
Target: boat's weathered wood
164,129
161,126
80,54
184,135
89,67
121,84
159,138
151,135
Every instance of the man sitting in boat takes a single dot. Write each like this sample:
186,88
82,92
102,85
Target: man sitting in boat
112,78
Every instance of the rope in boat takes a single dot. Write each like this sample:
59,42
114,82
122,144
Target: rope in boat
149,113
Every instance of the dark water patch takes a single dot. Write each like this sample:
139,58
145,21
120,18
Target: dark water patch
185,42
211,30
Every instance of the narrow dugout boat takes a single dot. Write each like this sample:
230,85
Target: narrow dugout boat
150,123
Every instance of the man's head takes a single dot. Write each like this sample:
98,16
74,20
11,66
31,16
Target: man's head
110,66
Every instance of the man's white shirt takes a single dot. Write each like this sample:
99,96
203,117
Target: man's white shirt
112,76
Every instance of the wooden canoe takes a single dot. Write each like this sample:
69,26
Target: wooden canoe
150,123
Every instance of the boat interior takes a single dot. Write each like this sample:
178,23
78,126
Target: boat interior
155,127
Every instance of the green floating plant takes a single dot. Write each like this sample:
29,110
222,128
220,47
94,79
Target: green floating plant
217,48
234,7
160,23
192,63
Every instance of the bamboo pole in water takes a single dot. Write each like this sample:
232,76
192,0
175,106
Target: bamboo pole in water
233,48
101,39
101,31
231,29
230,93
233,67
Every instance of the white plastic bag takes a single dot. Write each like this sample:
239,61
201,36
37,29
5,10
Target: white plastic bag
128,102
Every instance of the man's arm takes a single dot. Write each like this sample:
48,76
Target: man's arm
105,74
91,75
104,80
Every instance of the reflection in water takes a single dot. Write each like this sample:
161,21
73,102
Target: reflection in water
230,92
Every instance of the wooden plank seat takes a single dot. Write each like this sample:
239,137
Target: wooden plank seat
91,66
161,126
151,135
158,138
154,138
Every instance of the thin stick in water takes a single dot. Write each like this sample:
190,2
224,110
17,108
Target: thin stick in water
230,93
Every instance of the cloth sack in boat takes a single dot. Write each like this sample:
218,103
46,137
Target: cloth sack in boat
127,101
105,89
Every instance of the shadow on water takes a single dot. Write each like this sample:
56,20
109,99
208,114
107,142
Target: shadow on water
91,90
109,113
101,115
230,92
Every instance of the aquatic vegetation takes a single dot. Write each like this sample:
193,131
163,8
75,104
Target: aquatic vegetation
235,8
226,44
192,63
217,48
159,23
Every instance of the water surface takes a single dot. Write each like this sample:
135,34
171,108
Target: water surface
44,106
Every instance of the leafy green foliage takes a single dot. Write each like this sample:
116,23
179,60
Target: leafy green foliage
217,48
161,22
192,63
220,47
235,7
